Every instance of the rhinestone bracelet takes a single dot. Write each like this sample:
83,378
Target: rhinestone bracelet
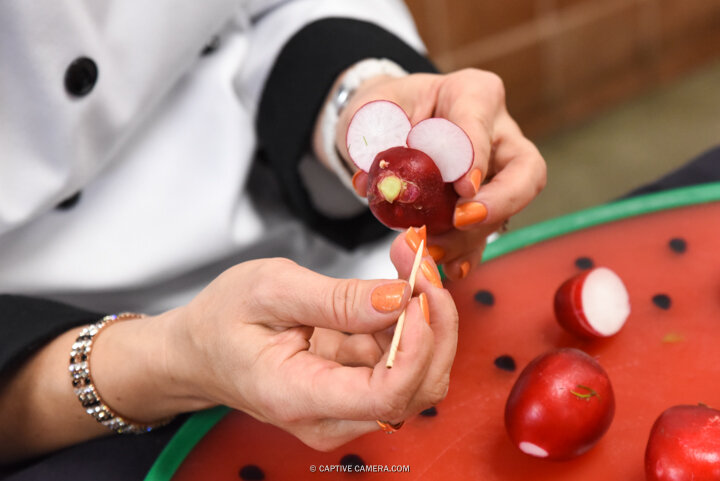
85,389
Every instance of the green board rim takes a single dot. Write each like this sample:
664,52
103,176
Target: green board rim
195,428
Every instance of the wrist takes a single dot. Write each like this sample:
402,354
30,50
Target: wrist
131,371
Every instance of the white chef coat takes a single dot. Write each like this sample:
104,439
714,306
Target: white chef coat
161,148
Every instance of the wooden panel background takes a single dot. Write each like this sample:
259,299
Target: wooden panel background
564,60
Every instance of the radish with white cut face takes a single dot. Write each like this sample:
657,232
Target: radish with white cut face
446,143
593,304
376,127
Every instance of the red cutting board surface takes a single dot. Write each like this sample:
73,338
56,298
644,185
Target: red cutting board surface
664,355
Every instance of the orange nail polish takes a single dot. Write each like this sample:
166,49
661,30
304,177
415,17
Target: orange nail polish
436,252
388,297
464,269
354,180
430,273
414,236
424,306
469,213
476,178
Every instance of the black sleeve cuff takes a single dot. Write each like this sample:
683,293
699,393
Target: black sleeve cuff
28,323
302,75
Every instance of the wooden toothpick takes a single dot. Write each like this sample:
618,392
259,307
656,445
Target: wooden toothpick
401,320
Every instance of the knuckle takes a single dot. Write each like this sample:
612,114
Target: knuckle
536,162
321,443
542,179
368,354
393,406
287,418
279,264
439,391
282,415
321,435
344,301
494,83
265,272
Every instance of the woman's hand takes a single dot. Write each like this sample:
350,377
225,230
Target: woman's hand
245,342
507,173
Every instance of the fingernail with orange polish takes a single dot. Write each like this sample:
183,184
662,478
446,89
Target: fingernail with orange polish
436,252
430,273
414,236
469,213
388,297
424,306
476,178
355,178
464,269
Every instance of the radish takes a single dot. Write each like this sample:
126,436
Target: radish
560,406
408,186
684,444
406,189
593,304
446,143
376,126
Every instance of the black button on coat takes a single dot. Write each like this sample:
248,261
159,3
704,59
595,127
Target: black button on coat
81,76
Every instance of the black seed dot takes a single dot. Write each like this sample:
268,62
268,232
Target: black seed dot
429,412
505,362
251,472
584,263
663,301
485,298
352,460
678,245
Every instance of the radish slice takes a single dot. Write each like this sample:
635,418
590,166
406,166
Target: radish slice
593,304
376,127
446,143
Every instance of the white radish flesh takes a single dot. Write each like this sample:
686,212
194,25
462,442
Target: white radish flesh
376,127
444,142
605,301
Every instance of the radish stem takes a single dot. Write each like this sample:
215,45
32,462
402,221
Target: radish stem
590,392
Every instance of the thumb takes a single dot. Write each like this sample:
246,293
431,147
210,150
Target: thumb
302,297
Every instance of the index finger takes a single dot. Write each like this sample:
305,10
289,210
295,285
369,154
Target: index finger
521,175
475,100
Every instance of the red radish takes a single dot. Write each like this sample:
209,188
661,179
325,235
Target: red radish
684,444
446,143
375,127
409,186
560,406
405,189
593,304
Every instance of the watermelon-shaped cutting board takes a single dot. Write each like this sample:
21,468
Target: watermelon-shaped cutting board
666,248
